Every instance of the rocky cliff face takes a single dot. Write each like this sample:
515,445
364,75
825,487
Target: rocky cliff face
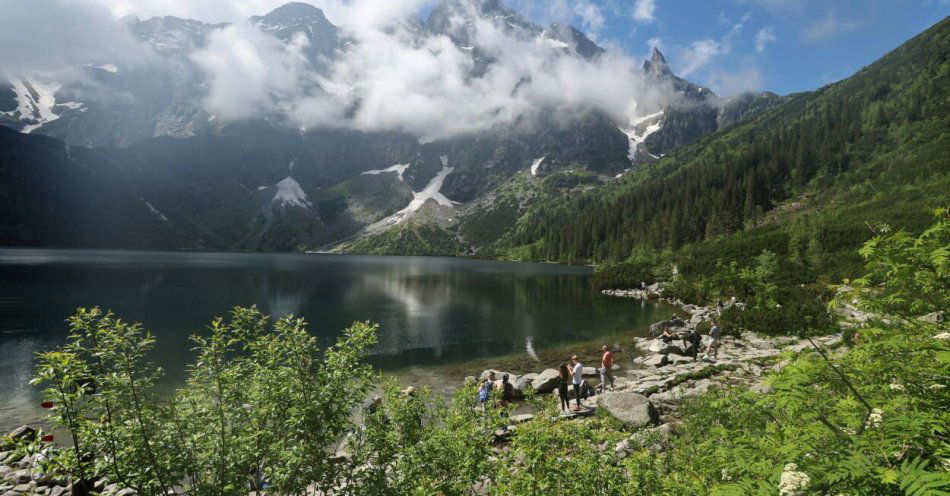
263,184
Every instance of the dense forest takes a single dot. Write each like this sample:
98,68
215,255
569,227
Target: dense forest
816,170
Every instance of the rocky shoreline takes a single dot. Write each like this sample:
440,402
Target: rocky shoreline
645,398
24,473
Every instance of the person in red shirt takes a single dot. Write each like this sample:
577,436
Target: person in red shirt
606,374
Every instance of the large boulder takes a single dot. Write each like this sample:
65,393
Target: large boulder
591,372
523,383
546,381
633,409
655,361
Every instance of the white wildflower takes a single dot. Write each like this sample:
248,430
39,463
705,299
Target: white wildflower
943,335
897,387
849,431
874,419
726,475
793,482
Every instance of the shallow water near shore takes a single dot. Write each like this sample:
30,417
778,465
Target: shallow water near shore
440,318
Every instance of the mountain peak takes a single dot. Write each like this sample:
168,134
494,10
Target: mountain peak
657,66
293,11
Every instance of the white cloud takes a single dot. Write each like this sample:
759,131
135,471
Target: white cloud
644,11
828,27
251,72
391,78
765,36
205,10
727,84
47,35
698,54
592,19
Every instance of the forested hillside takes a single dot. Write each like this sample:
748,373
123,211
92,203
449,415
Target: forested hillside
813,173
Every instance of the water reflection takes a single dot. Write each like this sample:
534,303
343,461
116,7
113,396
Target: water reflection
430,310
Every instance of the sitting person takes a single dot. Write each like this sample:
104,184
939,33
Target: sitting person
667,335
507,391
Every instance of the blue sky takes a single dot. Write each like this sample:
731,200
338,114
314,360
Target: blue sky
733,45
728,45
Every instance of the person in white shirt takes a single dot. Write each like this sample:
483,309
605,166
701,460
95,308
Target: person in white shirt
577,369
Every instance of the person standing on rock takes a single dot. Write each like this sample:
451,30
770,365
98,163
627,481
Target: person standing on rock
691,342
606,372
563,377
712,352
578,370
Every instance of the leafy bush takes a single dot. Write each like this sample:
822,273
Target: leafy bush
261,403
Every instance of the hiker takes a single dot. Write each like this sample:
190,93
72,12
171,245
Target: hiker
691,342
563,377
712,352
374,405
484,392
667,335
507,391
578,371
606,372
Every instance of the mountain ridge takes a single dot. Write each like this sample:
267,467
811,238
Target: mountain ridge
215,180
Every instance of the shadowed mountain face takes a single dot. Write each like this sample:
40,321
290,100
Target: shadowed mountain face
191,179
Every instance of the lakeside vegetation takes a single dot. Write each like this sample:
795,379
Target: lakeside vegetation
265,409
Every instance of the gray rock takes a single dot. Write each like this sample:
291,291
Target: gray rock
23,432
633,409
21,476
546,381
524,383
761,388
590,372
520,419
655,361
655,439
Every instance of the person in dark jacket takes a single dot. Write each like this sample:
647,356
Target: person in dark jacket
691,342
563,376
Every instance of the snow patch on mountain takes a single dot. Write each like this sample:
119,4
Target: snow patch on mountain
432,191
536,164
155,211
398,169
290,193
35,102
110,68
640,129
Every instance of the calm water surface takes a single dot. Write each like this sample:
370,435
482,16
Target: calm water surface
431,311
